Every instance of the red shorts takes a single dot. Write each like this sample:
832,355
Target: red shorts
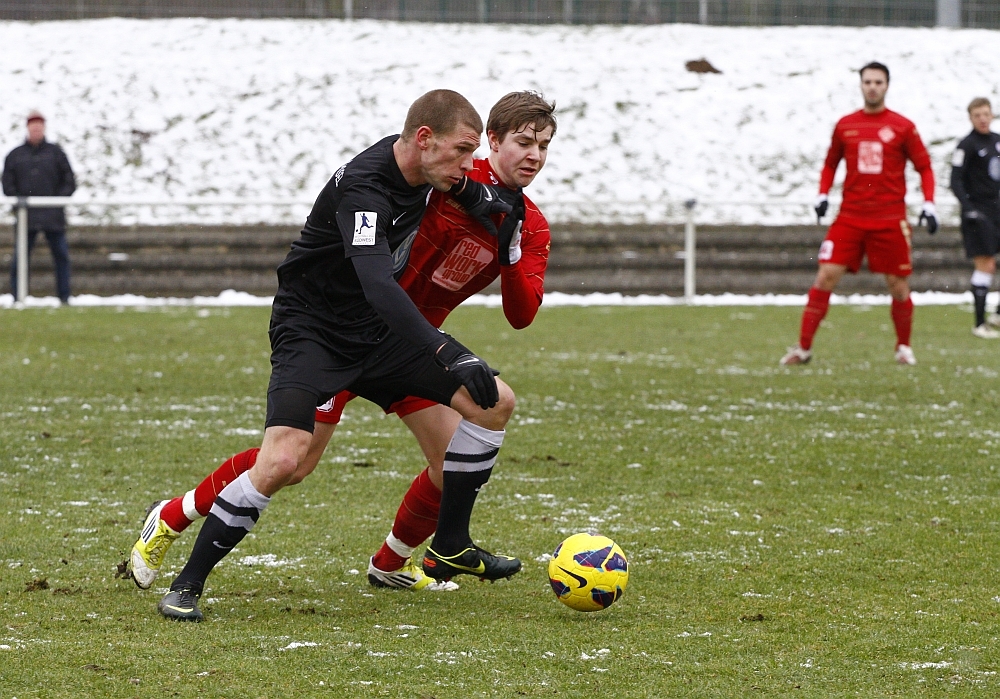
331,411
885,243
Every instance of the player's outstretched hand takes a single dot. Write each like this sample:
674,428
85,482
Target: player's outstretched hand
474,373
929,215
820,206
509,235
481,201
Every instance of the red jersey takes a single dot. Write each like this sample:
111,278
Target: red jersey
453,257
876,147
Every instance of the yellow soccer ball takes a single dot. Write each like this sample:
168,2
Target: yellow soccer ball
588,572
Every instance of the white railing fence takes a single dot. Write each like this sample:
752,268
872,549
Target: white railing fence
594,213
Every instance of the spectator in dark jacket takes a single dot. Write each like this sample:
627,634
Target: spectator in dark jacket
39,168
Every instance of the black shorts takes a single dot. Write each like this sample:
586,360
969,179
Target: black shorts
393,369
981,235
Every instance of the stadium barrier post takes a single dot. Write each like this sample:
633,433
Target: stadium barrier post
348,9
949,13
689,247
567,11
22,250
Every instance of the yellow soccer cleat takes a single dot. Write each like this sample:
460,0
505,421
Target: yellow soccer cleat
408,577
148,551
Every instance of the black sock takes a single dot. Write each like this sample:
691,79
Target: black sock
214,541
458,497
979,299
234,513
468,463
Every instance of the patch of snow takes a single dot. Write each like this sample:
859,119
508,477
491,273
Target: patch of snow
268,560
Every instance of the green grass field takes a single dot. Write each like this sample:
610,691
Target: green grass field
829,531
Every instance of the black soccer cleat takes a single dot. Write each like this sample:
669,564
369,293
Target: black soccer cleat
471,561
181,605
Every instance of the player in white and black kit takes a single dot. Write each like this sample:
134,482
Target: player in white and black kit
341,321
975,180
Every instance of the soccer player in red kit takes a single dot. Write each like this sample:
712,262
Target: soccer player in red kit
449,258
876,144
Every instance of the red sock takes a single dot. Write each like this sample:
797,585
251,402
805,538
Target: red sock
204,495
902,318
416,520
812,316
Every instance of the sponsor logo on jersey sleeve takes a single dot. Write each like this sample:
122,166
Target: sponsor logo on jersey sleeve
958,158
870,157
467,259
994,169
886,133
364,227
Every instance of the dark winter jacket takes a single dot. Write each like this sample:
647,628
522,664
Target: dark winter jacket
41,171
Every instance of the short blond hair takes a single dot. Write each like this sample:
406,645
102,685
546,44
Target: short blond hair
979,102
442,111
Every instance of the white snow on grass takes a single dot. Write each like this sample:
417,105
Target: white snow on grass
269,560
268,109
552,300
925,666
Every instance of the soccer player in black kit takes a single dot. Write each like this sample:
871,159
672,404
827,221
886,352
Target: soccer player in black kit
340,321
975,180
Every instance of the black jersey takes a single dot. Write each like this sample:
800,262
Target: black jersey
975,171
367,208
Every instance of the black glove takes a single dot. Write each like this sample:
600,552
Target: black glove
480,201
820,207
474,373
510,196
929,215
509,235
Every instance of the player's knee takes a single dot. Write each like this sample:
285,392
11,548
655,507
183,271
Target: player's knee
899,287
826,279
283,464
502,411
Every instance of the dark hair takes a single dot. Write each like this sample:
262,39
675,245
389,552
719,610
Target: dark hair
875,65
442,111
518,110
979,102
